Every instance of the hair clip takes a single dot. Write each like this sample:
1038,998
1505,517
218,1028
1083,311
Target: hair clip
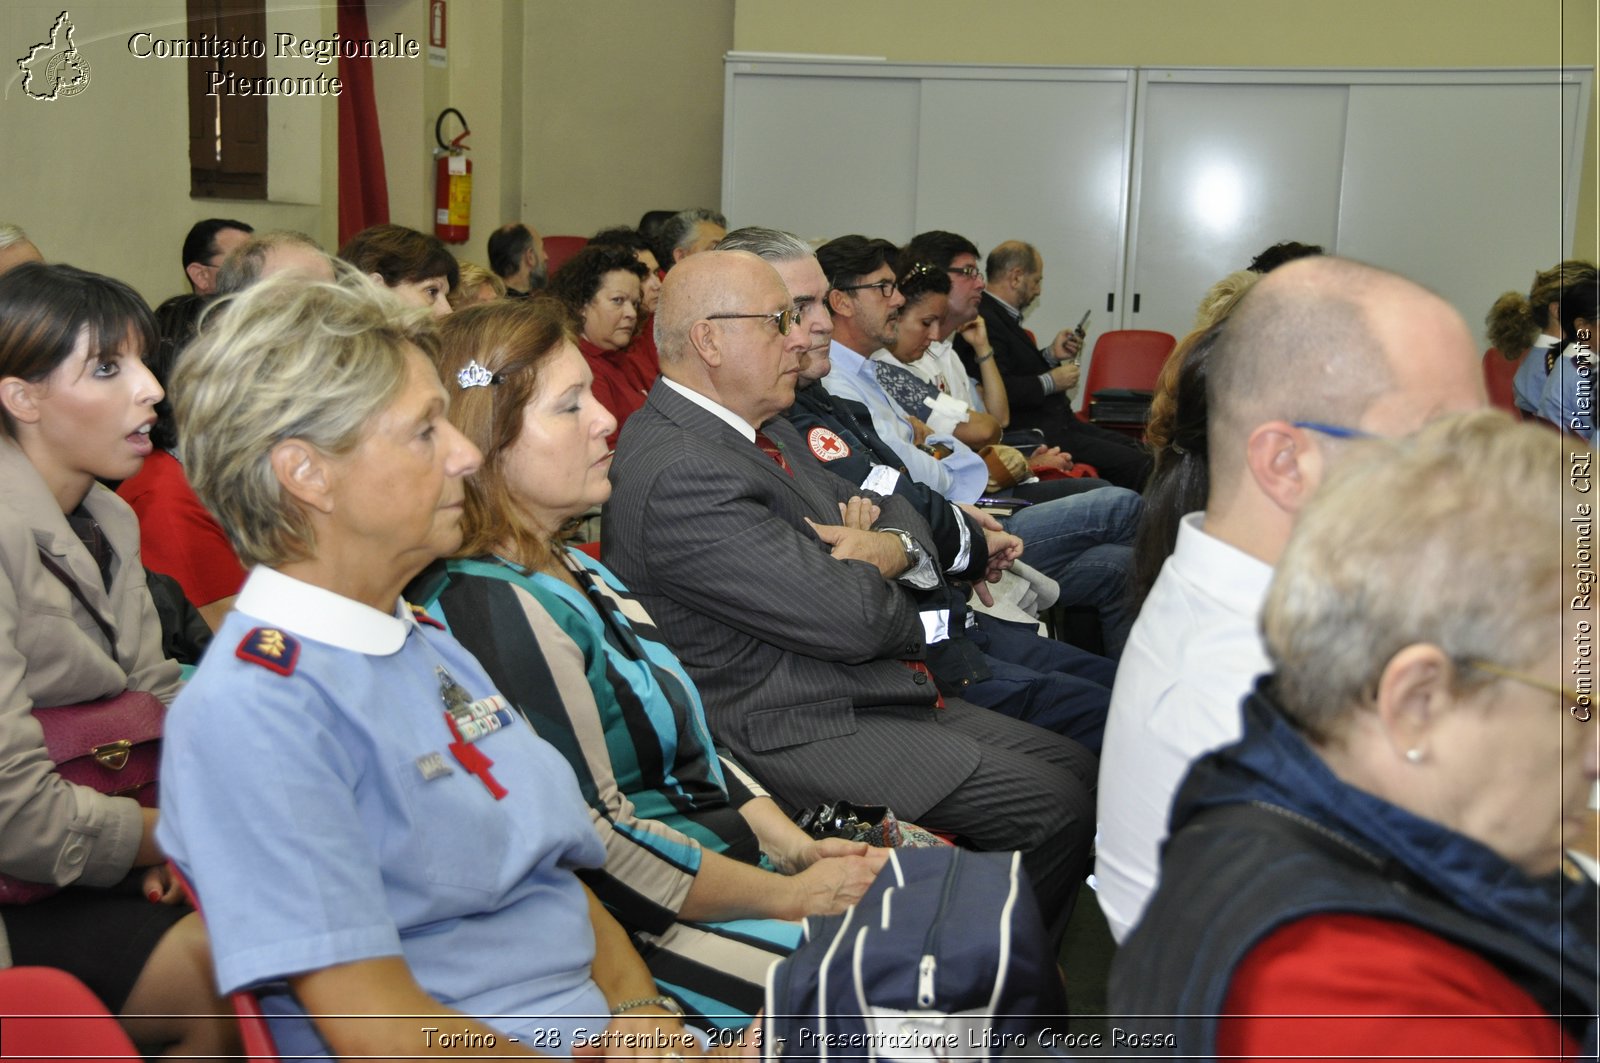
922,268
476,376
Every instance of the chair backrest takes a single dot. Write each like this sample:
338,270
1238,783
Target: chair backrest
1498,372
558,250
254,1033
49,1014
1126,358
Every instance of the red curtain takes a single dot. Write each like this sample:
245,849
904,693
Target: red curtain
363,189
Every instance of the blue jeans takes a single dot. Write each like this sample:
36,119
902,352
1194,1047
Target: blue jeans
1085,543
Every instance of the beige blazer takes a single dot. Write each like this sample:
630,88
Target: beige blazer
53,653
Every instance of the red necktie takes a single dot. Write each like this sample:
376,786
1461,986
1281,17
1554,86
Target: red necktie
773,451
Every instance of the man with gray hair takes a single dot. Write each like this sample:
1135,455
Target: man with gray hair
784,590
263,255
688,232
15,247
1321,351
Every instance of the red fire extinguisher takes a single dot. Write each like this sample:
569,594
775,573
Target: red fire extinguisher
452,197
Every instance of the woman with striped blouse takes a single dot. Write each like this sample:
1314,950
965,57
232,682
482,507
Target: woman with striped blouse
703,868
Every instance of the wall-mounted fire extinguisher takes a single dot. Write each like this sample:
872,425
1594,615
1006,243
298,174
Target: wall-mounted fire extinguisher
452,197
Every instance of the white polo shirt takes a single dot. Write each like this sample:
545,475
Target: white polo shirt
1192,655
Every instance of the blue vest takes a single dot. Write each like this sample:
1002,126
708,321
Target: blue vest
1248,856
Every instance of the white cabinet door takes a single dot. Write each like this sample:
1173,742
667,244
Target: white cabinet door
821,156
1224,171
1034,160
1459,186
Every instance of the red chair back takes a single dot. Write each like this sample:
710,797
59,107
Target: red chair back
558,250
590,548
49,1014
1126,358
1498,372
254,1034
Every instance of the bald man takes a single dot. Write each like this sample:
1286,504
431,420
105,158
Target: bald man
795,616
1321,351
16,248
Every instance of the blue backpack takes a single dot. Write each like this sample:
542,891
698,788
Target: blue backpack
945,957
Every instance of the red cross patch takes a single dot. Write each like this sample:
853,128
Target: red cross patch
827,445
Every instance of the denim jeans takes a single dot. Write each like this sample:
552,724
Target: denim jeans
1084,542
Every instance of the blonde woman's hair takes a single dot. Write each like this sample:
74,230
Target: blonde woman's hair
286,359
473,277
1451,537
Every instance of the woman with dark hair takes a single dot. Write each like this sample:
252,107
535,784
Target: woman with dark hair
1537,318
575,653
1181,479
178,536
415,266
1568,401
602,288
76,626
644,362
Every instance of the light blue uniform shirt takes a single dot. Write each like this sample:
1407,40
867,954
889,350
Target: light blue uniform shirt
1527,385
960,477
323,818
1568,401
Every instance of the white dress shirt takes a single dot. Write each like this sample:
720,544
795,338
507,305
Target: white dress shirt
1192,655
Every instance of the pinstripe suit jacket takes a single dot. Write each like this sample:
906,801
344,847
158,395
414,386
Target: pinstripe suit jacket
788,645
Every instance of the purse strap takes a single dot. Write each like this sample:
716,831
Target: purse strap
77,592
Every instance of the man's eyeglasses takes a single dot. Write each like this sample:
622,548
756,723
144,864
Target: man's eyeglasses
968,272
885,288
785,319
1337,431
1577,704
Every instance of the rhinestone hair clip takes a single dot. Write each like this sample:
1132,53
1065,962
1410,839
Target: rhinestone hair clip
475,376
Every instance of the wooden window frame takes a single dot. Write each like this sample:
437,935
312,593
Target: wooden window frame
227,133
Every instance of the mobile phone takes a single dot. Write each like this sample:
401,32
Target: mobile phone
1083,324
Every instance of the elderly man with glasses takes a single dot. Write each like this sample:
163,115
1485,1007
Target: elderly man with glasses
1321,352
790,595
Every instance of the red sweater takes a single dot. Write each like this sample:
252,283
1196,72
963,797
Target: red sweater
1353,987
178,536
619,381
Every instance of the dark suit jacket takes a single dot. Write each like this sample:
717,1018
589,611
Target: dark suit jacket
788,645
816,407
1117,458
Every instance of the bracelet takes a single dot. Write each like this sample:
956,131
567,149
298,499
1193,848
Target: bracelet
985,357
672,1006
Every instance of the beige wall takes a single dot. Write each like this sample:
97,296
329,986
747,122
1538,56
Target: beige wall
588,113
622,104
101,179
1260,33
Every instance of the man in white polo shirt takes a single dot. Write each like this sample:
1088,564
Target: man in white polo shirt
1321,351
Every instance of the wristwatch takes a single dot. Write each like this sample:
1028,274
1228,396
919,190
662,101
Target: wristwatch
915,554
672,1007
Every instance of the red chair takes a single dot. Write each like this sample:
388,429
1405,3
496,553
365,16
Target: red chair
1125,358
590,548
49,1014
254,1034
558,250
1498,372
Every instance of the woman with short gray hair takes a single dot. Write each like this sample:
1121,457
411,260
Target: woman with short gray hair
373,832
1383,848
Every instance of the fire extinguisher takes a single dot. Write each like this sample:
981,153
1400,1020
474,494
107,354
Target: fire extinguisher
452,197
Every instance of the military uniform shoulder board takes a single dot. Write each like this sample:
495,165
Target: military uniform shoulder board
274,650
422,617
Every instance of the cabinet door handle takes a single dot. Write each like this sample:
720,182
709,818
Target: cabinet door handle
1135,302
1111,298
